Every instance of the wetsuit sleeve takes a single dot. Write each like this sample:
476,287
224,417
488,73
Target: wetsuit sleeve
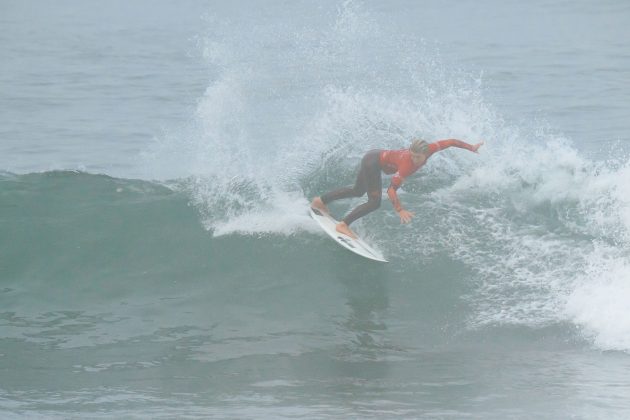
444,144
397,181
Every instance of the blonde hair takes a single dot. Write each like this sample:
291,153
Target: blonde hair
419,146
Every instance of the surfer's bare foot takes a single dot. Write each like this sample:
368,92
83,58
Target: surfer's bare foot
318,204
342,227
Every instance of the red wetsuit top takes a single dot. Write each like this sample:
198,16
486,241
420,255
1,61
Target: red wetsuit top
399,163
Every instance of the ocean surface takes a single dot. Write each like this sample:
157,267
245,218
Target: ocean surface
157,260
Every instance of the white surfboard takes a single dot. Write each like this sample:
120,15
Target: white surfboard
358,246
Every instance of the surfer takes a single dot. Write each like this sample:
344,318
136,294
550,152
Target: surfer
401,163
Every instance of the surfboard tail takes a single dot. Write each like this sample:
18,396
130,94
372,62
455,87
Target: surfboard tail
357,246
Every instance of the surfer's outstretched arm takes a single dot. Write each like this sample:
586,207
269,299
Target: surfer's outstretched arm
444,144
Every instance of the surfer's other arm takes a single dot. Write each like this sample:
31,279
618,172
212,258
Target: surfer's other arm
405,216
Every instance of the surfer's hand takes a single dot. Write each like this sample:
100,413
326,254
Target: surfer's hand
476,147
405,216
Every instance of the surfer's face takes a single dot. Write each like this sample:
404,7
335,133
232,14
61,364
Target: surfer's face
418,158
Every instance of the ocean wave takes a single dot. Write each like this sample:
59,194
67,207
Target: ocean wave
519,260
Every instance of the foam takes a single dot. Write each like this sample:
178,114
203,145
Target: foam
287,216
546,235
599,301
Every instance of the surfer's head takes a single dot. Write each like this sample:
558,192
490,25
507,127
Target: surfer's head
419,146
419,149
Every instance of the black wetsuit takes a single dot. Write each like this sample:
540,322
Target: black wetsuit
368,181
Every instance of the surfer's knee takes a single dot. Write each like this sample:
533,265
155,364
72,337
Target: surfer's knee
356,192
374,199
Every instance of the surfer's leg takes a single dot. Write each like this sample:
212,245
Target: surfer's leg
345,192
373,185
374,202
319,203
361,184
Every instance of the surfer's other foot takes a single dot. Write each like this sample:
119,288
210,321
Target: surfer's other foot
318,204
342,227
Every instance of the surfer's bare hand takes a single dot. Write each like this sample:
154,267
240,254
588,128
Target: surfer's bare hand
405,216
